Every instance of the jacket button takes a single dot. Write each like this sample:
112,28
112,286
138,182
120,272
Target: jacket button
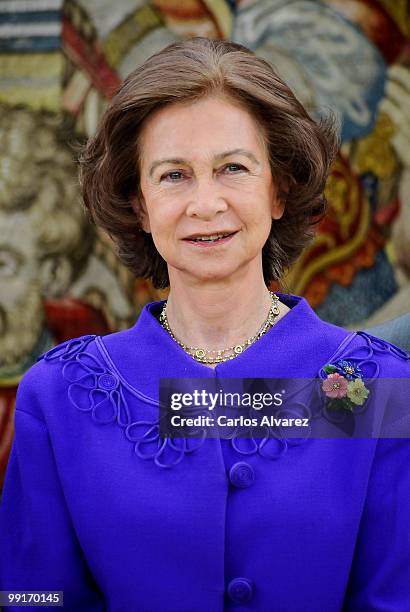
240,590
241,475
108,381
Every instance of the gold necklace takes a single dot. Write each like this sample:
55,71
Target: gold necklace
203,355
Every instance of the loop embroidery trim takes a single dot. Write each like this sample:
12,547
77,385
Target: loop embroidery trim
95,389
356,363
365,363
362,358
274,444
98,390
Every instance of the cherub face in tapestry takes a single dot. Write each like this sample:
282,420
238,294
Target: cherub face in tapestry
44,237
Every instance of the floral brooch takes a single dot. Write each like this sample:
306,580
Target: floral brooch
344,386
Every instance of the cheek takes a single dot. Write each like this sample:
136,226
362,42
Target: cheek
166,216
256,197
164,219
160,208
256,212
258,222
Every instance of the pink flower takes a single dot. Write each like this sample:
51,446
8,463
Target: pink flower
335,386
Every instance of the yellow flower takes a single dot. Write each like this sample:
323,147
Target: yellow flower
357,392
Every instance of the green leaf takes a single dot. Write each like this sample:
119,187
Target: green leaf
348,405
334,403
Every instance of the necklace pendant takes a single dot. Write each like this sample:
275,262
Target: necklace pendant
223,355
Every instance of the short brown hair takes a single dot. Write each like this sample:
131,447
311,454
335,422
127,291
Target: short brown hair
300,149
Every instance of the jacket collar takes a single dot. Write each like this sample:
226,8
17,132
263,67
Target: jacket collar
296,346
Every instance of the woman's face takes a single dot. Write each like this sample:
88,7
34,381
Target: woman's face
205,172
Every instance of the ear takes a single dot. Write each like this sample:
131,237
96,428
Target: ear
278,208
140,208
278,204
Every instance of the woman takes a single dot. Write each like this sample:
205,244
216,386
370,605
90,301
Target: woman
208,174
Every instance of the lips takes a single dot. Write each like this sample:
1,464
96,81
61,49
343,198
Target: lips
205,245
221,234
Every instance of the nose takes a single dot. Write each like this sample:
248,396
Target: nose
206,199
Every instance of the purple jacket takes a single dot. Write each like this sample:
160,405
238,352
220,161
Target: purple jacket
95,504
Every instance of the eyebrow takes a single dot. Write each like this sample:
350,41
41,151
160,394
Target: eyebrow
217,157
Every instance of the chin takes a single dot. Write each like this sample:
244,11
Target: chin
213,273
221,268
